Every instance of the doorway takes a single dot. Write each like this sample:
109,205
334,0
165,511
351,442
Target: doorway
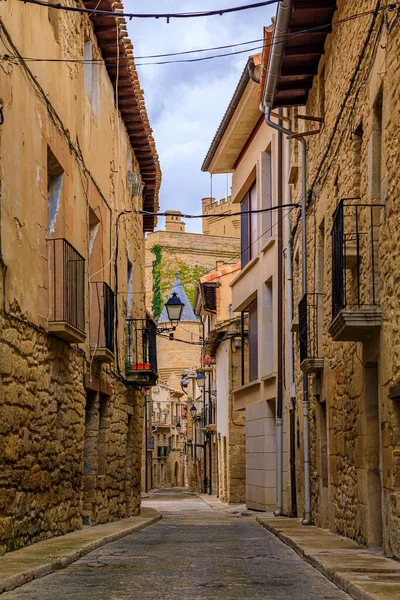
176,475
90,458
373,454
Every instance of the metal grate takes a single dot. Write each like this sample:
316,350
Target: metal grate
67,284
310,313
355,237
141,345
102,315
209,414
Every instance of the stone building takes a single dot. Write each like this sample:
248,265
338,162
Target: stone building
192,254
74,168
347,349
223,427
183,351
168,412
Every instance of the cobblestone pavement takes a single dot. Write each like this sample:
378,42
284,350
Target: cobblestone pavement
194,553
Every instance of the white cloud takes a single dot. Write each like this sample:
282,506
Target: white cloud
186,102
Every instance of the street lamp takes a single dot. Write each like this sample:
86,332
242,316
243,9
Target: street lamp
178,427
174,306
201,380
193,411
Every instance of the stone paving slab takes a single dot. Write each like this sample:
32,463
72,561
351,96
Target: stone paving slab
43,558
363,573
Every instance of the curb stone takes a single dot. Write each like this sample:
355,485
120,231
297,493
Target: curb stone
340,580
11,582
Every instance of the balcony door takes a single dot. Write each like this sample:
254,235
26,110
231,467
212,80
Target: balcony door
249,226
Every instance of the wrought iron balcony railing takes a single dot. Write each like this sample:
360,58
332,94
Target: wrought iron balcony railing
310,328
141,355
209,414
67,291
355,273
102,321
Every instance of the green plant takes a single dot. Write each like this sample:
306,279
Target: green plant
157,302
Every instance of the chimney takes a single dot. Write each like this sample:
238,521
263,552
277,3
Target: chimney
173,222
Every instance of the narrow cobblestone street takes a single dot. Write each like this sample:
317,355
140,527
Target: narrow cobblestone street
195,552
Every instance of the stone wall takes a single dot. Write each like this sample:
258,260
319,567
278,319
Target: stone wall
354,423
70,427
217,223
56,471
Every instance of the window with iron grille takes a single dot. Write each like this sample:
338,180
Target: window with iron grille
67,281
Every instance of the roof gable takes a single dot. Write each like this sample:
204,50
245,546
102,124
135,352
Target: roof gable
187,313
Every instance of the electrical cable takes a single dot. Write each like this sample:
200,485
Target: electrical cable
277,40
202,216
167,16
290,207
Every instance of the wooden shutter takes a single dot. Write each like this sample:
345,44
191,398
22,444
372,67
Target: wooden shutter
253,341
245,232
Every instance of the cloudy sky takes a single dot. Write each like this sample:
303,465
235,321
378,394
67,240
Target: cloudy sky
186,102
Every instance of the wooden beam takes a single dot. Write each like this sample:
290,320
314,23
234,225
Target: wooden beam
299,71
314,6
296,51
295,84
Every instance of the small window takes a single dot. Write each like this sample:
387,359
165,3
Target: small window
94,224
55,178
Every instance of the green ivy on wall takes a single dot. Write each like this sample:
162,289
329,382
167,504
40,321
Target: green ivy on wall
157,302
164,268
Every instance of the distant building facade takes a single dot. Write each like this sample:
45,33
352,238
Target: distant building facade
168,412
192,254
223,428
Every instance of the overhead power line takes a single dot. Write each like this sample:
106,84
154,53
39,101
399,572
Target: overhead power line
146,213
167,16
277,39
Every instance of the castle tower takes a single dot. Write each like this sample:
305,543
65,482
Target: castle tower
173,221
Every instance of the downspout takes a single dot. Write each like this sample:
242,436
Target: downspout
274,68
292,391
251,70
146,466
306,442
279,404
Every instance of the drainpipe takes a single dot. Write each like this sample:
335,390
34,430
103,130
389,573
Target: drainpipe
274,68
288,132
292,391
279,404
250,68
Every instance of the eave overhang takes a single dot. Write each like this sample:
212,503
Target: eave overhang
237,125
310,22
131,102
